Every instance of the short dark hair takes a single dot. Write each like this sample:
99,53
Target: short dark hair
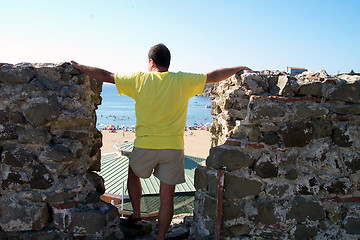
160,54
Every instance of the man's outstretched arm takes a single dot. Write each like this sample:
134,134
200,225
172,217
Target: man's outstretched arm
224,73
97,73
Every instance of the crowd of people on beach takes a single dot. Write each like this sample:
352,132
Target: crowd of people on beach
114,129
200,126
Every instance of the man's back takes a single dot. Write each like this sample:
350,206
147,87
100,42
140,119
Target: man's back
161,101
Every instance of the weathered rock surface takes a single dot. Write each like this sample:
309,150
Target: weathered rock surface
290,147
49,149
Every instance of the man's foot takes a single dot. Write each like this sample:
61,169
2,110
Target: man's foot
132,222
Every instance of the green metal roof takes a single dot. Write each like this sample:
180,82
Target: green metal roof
114,169
150,204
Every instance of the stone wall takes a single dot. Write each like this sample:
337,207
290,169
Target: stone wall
50,148
290,147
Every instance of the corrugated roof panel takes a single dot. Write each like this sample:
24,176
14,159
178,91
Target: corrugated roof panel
150,204
114,171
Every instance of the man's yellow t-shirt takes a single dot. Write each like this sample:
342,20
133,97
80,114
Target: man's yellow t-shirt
161,102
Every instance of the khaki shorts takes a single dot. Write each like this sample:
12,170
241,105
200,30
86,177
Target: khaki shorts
166,164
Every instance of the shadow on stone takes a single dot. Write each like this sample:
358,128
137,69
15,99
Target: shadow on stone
134,232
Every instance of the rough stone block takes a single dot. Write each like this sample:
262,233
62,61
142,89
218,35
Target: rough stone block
210,226
321,128
95,163
96,87
296,134
228,104
267,111
303,210
277,190
340,185
308,186
56,153
13,180
272,80
347,92
303,111
25,217
282,87
41,113
311,89
210,207
40,178
254,134
12,75
352,225
352,163
201,179
233,210
17,117
270,138
304,232
46,234
266,169
38,136
265,213
98,182
66,196
48,78
253,83
230,157
4,115
9,132
18,156
290,159
341,138
345,109
80,223
240,230
237,187
212,184
291,174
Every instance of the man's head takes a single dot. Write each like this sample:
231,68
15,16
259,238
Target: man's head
160,55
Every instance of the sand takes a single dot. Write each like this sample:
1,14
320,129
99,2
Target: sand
197,142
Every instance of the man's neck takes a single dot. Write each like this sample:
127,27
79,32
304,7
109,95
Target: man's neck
160,69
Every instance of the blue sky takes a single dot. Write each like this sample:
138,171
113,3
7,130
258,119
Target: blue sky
201,35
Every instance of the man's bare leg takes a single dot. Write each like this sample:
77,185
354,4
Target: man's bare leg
166,211
134,188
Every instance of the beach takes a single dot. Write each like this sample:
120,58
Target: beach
197,142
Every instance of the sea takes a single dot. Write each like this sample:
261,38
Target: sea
119,110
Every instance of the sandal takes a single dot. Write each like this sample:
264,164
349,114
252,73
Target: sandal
130,222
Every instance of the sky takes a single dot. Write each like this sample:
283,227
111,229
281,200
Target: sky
202,35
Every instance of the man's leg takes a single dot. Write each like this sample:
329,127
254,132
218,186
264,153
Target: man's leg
134,188
166,208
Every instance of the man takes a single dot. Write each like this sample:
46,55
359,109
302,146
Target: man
161,99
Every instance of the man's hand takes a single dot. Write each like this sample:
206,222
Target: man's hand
224,73
97,73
